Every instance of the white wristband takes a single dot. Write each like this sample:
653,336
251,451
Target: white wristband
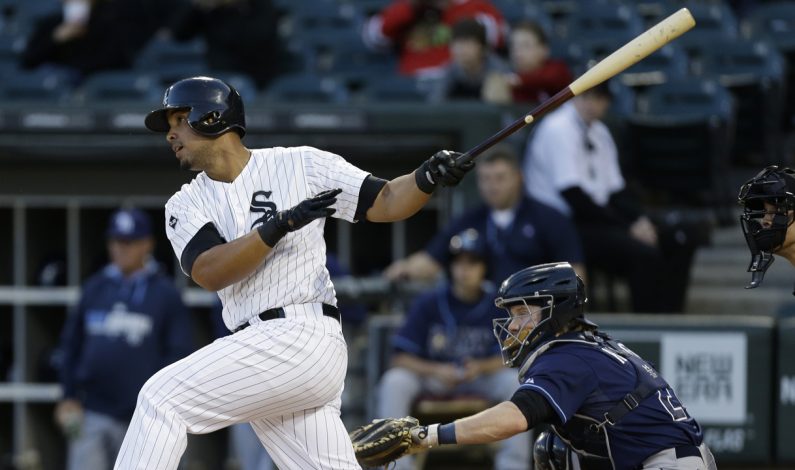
433,435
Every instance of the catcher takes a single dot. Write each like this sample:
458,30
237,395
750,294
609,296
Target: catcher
607,407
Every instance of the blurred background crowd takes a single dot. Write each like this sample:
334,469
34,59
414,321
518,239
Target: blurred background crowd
634,183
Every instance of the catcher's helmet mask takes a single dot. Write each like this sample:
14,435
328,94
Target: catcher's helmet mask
554,287
765,231
214,107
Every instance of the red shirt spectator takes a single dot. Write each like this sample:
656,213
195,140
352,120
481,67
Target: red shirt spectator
420,30
537,75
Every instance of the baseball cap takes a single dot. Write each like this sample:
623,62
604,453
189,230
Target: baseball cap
129,224
468,241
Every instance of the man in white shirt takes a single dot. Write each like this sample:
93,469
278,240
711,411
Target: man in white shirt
572,164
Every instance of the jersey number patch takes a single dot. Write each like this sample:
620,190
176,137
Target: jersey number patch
677,411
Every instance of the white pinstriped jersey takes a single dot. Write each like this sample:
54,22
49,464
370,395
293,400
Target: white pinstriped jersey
274,179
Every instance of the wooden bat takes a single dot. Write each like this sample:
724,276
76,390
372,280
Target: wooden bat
628,55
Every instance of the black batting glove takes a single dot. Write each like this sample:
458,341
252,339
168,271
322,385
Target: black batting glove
441,169
293,219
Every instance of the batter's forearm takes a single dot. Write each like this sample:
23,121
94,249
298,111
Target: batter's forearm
228,263
494,424
399,199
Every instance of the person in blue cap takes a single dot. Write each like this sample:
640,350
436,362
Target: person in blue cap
445,347
130,322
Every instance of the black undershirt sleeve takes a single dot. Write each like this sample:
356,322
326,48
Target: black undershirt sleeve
371,186
626,203
206,238
535,408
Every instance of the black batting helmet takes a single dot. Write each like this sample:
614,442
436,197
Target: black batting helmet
554,287
215,107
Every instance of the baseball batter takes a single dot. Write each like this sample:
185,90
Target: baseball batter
250,226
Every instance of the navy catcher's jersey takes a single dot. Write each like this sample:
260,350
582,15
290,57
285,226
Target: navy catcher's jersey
583,380
440,327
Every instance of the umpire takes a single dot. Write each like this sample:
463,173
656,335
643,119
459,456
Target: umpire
129,323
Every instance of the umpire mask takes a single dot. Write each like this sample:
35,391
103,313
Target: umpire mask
768,202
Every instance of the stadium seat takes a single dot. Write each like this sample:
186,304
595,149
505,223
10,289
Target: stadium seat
597,19
42,85
678,143
120,85
775,23
754,73
652,11
244,84
715,21
305,88
172,60
394,89
668,63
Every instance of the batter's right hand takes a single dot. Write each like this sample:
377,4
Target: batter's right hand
293,219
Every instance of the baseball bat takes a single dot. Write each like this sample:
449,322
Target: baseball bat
629,54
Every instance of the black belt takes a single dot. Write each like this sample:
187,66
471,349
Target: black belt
687,451
278,312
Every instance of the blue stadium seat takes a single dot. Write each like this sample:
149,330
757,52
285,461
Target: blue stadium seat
31,10
754,73
595,19
668,63
121,85
171,61
42,85
774,22
244,84
162,53
394,88
653,11
714,21
305,88
678,143
369,8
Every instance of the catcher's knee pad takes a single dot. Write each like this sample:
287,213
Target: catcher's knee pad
551,453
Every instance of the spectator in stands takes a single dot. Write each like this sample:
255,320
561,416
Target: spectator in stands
241,36
419,30
471,62
129,323
88,36
446,347
572,165
535,75
519,231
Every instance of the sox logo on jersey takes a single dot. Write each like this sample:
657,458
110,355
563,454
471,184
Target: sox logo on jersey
266,374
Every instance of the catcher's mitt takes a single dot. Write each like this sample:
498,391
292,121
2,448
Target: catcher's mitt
386,440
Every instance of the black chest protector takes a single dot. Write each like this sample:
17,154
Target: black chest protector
585,434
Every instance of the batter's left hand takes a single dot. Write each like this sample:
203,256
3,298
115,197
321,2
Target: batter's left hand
441,169
298,216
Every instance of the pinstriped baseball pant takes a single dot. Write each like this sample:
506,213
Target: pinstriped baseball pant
284,376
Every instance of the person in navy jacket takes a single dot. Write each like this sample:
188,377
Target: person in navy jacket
518,230
129,323
446,348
